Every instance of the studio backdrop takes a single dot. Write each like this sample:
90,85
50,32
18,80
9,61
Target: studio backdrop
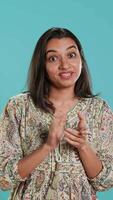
22,23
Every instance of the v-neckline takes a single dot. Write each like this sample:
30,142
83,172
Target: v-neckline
75,107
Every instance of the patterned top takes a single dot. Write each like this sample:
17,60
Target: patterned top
61,176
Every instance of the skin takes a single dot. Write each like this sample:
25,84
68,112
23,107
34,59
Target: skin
62,56
63,66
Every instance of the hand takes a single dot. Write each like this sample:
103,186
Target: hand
56,131
78,137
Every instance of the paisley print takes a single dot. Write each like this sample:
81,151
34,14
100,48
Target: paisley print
61,176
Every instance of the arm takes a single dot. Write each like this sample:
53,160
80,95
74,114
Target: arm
10,144
91,162
78,138
98,166
30,162
104,180
13,167
13,164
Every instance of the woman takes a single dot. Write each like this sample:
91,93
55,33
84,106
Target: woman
57,138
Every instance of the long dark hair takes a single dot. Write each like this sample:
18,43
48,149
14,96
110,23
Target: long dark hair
38,83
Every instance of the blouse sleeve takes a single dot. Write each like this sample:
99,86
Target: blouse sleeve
10,143
104,180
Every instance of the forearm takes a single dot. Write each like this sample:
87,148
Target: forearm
91,162
30,162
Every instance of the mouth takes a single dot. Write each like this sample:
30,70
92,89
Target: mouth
66,75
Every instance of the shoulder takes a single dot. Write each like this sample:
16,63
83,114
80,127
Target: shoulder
18,102
101,105
98,101
15,106
19,98
98,104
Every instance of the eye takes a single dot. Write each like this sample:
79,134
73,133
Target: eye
52,58
71,55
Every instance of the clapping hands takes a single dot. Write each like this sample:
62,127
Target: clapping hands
77,137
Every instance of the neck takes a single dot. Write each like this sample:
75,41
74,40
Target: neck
62,95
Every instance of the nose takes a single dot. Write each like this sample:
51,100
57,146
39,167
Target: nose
63,63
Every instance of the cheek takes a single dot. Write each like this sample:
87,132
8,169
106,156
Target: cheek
50,71
76,62
78,66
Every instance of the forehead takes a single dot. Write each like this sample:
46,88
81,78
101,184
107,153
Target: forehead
62,43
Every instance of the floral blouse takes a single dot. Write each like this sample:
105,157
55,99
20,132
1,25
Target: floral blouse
61,176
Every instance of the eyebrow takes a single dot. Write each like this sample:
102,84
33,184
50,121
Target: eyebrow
70,47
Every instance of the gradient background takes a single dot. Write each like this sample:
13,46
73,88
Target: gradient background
21,24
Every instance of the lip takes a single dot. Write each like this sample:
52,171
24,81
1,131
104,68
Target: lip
66,75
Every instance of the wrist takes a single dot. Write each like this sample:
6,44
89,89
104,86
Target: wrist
84,148
47,148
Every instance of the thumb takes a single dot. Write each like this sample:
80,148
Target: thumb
82,121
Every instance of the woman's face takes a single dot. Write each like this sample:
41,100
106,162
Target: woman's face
63,62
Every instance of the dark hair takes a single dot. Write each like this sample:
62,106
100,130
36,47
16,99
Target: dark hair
38,83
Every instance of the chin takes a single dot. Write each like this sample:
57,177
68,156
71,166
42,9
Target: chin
64,86
67,84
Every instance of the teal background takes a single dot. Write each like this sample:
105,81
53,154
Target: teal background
23,21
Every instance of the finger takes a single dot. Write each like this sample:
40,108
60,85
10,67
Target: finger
82,125
83,136
72,131
76,132
74,137
84,132
70,136
73,143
